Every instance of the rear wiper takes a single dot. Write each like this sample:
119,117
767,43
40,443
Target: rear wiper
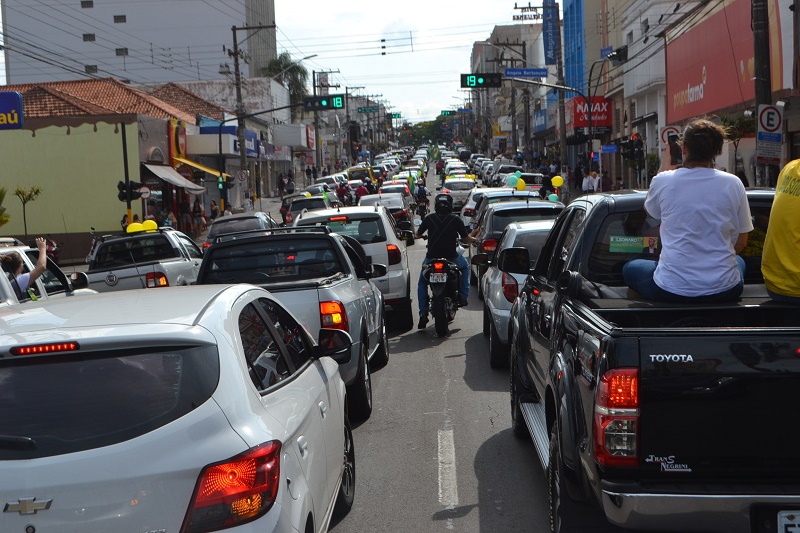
12,442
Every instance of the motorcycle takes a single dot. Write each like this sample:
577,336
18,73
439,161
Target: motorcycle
52,249
443,279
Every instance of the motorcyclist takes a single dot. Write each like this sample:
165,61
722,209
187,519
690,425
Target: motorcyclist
443,228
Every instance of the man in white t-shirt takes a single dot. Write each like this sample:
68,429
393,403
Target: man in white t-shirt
705,219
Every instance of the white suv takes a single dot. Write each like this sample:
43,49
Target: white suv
384,240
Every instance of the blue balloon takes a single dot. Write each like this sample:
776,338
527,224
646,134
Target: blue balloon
553,197
512,181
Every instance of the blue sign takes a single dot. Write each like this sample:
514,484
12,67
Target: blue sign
596,156
540,121
465,110
769,137
11,116
605,51
526,73
608,149
550,31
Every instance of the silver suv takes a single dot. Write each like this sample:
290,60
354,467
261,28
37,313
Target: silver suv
384,240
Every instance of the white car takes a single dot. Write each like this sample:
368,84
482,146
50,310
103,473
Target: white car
384,240
458,189
500,289
195,408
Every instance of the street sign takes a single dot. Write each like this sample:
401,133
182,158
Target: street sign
395,115
608,149
664,137
242,175
525,73
368,109
145,192
465,110
769,136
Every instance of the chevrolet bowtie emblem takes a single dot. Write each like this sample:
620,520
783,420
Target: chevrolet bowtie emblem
27,506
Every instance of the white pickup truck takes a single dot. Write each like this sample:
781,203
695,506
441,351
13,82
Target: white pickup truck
144,259
53,283
323,278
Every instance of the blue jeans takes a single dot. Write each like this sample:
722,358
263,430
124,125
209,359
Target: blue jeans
463,290
638,275
784,299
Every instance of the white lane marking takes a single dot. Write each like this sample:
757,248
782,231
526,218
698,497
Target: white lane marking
448,483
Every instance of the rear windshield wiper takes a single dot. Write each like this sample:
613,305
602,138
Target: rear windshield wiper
13,442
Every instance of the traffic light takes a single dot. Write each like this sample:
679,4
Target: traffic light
447,112
480,80
131,190
627,149
638,147
322,103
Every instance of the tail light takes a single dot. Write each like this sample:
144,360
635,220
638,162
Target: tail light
510,289
288,217
395,255
332,315
468,212
206,244
488,245
236,491
156,279
445,191
616,418
402,213
438,266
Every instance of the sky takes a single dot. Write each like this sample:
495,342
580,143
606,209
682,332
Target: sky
428,45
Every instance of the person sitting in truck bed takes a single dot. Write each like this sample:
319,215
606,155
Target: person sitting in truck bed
705,219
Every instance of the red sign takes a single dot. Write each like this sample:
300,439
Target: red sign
310,137
601,112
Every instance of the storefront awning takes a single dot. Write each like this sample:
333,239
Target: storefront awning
170,175
198,166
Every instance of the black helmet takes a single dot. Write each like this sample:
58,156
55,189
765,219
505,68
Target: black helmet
443,204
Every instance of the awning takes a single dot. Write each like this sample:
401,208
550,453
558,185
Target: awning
645,118
198,166
170,175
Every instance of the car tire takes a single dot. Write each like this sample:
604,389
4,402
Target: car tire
473,279
381,357
347,489
404,314
359,393
498,358
566,515
518,425
487,320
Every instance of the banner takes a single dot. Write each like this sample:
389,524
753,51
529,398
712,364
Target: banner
550,31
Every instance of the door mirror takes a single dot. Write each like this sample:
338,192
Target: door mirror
480,259
404,224
376,270
79,280
336,344
514,261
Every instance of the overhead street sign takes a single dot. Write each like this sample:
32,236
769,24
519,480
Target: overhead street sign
465,110
608,149
526,73
369,109
395,115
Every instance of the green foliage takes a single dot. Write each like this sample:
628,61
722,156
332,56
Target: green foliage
289,72
3,217
738,127
25,196
653,162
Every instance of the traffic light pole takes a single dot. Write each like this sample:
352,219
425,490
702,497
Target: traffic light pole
127,173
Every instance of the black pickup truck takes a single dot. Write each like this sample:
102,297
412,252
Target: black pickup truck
664,417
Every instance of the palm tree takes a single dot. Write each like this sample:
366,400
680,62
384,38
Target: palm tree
25,196
3,217
290,73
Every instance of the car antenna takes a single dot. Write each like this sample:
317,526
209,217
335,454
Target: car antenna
138,274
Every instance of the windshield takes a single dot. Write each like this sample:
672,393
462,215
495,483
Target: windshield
232,226
366,230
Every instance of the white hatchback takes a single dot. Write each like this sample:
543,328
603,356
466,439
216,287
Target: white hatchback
195,408
384,241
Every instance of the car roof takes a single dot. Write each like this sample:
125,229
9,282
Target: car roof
343,211
252,214
531,225
530,203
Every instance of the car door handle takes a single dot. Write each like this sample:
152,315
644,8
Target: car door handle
302,446
323,409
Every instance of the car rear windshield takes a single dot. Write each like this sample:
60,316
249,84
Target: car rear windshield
234,225
360,175
129,250
66,403
264,261
460,186
501,219
366,230
533,241
308,203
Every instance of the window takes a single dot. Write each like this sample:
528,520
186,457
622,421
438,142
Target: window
645,26
266,362
86,4
122,51
120,19
88,37
191,248
90,69
293,335
629,38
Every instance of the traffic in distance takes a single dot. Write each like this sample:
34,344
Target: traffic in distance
545,398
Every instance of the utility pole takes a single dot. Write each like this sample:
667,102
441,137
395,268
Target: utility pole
562,110
240,110
763,76
350,140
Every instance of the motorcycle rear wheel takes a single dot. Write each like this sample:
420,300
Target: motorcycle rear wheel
440,316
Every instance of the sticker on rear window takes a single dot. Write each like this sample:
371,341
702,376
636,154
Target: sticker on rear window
632,245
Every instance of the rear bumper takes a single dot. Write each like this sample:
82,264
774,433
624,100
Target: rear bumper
693,510
393,285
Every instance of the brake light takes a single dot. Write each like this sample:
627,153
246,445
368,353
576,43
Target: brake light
488,245
616,418
156,279
445,191
438,266
402,213
236,491
468,212
337,219
206,244
510,289
288,217
45,348
395,255
332,315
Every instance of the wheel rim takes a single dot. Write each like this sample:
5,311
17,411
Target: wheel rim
349,473
384,340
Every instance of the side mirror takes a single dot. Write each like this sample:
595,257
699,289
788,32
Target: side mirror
514,261
336,344
569,283
480,259
407,235
79,280
404,224
376,270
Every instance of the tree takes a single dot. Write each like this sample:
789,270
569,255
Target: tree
3,217
737,128
25,196
290,73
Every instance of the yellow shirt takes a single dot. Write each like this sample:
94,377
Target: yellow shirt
780,263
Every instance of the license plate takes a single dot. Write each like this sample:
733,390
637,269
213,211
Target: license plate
436,277
788,521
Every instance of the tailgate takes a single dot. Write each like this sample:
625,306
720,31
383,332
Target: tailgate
118,280
721,405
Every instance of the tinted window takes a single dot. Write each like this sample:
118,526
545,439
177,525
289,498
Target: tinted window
533,242
266,363
233,225
308,203
275,260
190,246
125,251
365,229
502,218
79,401
291,333
460,186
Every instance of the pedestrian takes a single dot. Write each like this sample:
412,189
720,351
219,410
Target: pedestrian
714,229
214,210
619,185
136,219
124,222
197,216
577,178
289,187
185,222
590,183
308,176
314,174
169,220
281,184
780,259
13,265
605,182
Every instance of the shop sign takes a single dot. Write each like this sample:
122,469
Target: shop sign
540,120
11,113
310,137
601,112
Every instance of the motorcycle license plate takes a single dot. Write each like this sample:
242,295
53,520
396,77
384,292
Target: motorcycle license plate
437,277
788,521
